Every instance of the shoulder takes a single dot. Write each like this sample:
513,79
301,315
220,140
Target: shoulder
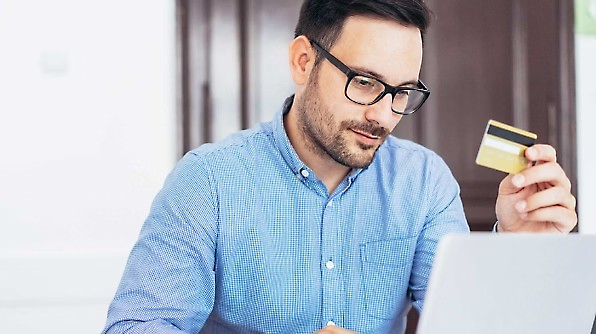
244,144
203,168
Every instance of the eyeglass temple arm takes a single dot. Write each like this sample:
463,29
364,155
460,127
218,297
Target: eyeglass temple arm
332,59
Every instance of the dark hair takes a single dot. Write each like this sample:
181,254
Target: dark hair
323,20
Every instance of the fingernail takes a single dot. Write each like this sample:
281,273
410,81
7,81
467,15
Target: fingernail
521,206
518,180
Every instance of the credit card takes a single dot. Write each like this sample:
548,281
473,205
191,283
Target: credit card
503,147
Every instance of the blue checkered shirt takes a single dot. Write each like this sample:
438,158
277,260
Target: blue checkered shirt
244,238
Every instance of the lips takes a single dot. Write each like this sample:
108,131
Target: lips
367,140
366,134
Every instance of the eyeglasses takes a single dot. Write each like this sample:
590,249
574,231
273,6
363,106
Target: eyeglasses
365,90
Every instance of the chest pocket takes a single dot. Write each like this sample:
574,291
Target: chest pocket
386,267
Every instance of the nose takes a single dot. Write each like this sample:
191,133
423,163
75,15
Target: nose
382,114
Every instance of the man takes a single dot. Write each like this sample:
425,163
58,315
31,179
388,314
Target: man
319,221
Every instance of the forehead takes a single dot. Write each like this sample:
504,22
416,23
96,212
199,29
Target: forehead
381,46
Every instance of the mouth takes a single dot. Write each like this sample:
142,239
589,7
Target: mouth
366,138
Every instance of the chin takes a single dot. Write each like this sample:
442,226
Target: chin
362,161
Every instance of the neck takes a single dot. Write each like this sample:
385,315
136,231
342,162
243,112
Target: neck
329,171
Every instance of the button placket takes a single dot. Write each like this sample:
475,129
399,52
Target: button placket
330,255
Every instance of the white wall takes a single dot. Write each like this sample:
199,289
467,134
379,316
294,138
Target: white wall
87,136
585,41
586,118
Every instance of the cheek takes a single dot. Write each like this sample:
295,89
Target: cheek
332,99
392,129
331,83
397,120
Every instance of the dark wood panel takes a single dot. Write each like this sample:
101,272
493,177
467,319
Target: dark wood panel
193,43
468,65
498,60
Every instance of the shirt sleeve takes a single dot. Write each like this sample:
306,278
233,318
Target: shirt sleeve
445,215
168,285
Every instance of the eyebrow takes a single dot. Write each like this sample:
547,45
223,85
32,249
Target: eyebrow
380,77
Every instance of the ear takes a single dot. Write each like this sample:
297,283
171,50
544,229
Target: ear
302,59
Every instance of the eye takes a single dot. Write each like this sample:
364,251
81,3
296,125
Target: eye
403,93
364,81
366,85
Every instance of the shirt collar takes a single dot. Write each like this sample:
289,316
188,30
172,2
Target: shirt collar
287,150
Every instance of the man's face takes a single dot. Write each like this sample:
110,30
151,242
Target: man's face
333,126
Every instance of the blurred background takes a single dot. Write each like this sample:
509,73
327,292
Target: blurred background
99,99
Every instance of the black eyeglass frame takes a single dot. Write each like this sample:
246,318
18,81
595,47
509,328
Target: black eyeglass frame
393,90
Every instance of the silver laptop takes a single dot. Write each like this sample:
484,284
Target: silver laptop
511,283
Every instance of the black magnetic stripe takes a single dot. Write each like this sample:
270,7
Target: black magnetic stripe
510,135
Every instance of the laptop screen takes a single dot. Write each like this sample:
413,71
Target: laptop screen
511,283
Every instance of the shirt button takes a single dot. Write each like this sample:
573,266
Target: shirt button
330,265
330,203
304,173
330,323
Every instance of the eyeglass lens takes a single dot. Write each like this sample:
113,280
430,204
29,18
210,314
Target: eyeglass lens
366,90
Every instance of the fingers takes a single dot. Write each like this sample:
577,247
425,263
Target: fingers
548,173
563,219
538,198
541,152
554,205
555,196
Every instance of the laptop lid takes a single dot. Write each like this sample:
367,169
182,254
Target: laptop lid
511,283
